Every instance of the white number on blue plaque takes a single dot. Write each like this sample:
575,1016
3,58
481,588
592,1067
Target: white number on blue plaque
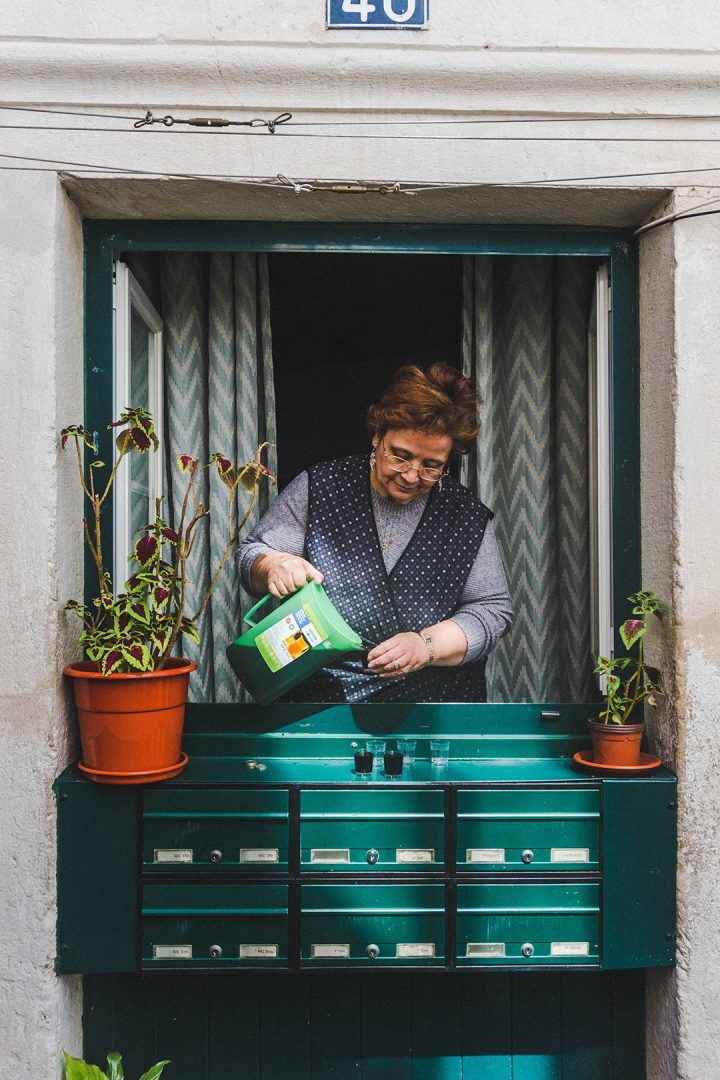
363,8
399,16
377,14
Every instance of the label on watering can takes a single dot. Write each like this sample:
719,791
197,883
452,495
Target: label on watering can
290,638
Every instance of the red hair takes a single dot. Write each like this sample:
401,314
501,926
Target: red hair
441,401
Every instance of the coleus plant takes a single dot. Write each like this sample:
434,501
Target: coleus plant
77,1069
137,628
628,679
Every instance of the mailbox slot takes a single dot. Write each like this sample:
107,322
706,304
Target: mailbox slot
528,924
375,831
214,926
372,926
528,830
214,831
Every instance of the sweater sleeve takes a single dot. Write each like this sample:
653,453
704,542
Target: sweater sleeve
485,613
282,528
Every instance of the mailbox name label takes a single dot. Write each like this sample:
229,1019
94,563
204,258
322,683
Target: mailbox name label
485,854
173,855
569,854
415,855
258,952
569,948
329,855
259,854
414,948
330,952
485,948
172,952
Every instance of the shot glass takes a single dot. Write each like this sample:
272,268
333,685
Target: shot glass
363,762
377,748
407,747
439,753
393,762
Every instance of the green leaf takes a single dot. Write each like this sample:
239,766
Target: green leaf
115,1069
97,464
137,656
154,1072
111,662
190,630
631,631
77,1069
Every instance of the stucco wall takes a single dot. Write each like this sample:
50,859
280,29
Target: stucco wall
697,257
259,58
41,372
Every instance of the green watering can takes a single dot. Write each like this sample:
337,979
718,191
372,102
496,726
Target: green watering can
282,650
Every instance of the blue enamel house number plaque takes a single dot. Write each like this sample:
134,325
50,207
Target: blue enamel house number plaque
377,14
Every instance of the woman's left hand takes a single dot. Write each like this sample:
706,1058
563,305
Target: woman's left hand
399,655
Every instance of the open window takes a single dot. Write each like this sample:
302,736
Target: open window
321,332
137,380
600,443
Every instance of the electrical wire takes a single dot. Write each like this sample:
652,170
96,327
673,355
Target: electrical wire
408,187
64,112
394,138
693,211
610,118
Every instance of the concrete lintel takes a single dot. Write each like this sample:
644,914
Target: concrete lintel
138,198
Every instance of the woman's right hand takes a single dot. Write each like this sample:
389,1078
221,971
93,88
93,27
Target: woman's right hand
281,574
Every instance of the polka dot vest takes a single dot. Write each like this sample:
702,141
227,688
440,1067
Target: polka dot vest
422,588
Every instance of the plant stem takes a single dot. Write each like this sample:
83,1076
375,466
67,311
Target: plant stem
231,544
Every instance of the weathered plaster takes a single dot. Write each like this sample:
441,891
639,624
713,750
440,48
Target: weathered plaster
697,645
40,367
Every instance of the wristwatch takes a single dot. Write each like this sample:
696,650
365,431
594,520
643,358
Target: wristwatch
425,635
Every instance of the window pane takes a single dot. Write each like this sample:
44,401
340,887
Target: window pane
139,391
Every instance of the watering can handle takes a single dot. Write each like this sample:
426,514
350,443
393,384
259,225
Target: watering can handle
247,618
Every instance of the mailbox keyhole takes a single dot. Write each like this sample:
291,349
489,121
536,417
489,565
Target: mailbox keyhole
372,856
527,855
373,951
215,856
527,950
215,952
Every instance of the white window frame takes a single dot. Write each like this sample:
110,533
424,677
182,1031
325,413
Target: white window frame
600,441
129,297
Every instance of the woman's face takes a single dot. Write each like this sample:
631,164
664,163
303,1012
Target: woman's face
420,449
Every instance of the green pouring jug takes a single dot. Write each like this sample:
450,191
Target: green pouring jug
298,638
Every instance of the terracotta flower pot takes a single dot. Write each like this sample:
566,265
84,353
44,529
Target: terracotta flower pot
131,724
616,744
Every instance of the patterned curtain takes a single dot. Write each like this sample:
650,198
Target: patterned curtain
219,395
525,345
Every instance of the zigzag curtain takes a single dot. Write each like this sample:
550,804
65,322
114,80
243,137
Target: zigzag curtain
219,395
525,345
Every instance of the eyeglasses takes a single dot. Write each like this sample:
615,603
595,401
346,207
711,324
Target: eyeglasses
403,465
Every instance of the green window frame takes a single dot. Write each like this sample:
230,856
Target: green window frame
105,239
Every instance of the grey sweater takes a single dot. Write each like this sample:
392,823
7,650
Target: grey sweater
485,611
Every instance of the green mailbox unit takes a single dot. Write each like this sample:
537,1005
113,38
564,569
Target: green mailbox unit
268,853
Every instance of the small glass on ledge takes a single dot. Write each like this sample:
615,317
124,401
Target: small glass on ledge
364,762
439,753
407,746
393,762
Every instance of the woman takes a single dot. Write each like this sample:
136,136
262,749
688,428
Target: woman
406,554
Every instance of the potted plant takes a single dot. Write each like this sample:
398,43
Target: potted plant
628,682
131,691
77,1069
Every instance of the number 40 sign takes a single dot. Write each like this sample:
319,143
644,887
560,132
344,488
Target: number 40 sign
377,14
